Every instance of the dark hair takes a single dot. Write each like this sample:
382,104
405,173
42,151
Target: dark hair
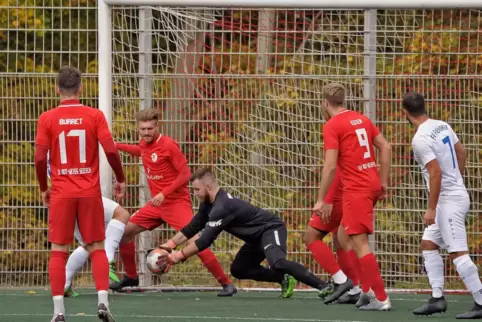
69,80
414,104
202,173
148,114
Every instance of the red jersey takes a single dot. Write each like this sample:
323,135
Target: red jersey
352,134
163,161
72,133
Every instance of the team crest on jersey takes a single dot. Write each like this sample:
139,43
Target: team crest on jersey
154,157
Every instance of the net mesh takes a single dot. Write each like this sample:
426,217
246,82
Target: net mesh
239,89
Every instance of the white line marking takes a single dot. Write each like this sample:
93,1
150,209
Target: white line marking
186,317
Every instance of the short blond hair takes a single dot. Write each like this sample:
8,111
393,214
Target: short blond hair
149,114
334,93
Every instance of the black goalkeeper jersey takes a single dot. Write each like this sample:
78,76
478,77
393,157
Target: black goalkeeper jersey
237,217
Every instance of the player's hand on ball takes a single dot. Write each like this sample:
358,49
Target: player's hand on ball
166,262
429,217
157,200
46,197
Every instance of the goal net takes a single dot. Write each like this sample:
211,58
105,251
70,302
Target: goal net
240,90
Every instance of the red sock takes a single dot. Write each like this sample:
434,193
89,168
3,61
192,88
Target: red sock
100,269
128,255
369,264
57,263
324,256
214,267
365,285
347,264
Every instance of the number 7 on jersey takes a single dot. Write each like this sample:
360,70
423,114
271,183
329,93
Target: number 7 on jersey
446,140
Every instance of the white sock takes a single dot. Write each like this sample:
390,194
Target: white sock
59,307
470,275
434,265
355,290
113,235
339,277
103,297
76,260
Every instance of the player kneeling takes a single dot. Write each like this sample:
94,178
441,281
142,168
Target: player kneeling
116,218
264,235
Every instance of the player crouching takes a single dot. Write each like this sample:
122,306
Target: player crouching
264,235
116,218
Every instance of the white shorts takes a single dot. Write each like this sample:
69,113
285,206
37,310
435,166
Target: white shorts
449,231
109,208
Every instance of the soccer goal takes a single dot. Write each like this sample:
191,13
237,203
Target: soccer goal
238,83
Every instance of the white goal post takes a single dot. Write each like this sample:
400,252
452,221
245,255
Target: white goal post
249,160
321,4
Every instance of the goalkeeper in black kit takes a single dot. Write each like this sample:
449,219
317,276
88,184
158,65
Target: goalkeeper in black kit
264,235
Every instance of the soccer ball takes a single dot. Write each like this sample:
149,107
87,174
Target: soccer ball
152,259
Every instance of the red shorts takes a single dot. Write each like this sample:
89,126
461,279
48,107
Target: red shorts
332,226
89,214
358,211
176,215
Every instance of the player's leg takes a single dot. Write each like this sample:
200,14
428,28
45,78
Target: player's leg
274,246
116,217
178,216
350,264
62,214
315,232
146,218
452,227
314,235
247,266
358,223
323,256
432,241
90,219
75,262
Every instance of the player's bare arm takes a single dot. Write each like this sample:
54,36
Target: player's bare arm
435,182
461,155
328,174
385,151
329,199
218,220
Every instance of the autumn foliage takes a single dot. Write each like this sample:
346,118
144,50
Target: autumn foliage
259,127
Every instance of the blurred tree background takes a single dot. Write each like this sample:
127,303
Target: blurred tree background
242,94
